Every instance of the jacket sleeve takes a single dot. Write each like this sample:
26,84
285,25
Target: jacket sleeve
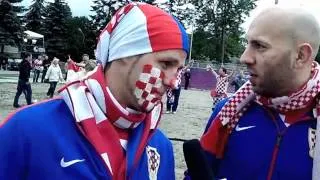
215,113
213,161
12,151
48,73
60,75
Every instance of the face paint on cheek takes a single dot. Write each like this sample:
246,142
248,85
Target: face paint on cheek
148,86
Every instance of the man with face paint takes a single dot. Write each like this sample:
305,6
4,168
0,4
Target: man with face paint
104,126
270,128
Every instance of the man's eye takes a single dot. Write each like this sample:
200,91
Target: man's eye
258,46
166,64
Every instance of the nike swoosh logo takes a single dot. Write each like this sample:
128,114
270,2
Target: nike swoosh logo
238,128
69,163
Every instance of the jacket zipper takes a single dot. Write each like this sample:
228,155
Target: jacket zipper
274,156
277,145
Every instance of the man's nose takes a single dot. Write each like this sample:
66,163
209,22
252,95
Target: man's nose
247,57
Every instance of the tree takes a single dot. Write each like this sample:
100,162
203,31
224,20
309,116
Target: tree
11,30
81,37
104,10
58,13
222,19
34,17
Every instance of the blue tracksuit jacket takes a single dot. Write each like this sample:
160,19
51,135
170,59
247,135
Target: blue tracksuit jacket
255,149
43,142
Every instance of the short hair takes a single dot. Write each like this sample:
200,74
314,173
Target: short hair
24,55
85,55
224,70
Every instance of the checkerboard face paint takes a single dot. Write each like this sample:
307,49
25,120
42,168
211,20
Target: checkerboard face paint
147,87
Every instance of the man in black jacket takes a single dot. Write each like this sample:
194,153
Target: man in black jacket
187,76
45,63
23,83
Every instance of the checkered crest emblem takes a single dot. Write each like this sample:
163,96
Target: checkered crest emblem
312,141
153,162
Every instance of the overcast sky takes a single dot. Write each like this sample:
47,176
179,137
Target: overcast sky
312,6
83,7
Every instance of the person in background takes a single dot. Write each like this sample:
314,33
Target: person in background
53,76
75,71
45,63
238,81
270,128
104,126
220,90
3,62
187,77
37,65
173,94
23,82
90,65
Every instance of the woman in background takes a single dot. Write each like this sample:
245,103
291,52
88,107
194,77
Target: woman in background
53,75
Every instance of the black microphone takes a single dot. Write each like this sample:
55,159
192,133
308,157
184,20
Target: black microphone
198,166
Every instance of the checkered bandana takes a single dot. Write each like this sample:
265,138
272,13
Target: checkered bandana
97,112
147,87
215,139
140,28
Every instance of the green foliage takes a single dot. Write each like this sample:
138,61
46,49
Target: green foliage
104,10
81,37
57,16
11,30
34,17
222,20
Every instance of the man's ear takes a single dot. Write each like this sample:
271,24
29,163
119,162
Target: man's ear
304,54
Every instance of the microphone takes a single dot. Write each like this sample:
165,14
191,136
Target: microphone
198,166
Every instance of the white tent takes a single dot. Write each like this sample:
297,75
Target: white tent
33,35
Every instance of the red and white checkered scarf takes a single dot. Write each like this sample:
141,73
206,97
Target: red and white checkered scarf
97,113
215,139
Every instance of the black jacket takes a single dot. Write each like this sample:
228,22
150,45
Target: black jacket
24,70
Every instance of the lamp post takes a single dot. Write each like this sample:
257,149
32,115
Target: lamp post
191,44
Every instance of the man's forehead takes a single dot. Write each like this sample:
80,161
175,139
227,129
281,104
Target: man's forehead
263,32
258,36
178,56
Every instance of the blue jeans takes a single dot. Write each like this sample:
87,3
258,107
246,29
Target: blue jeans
25,88
36,74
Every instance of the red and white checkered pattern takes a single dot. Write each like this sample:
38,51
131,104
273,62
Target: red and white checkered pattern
215,139
137,28
148,85
96,111
295,101
222,84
